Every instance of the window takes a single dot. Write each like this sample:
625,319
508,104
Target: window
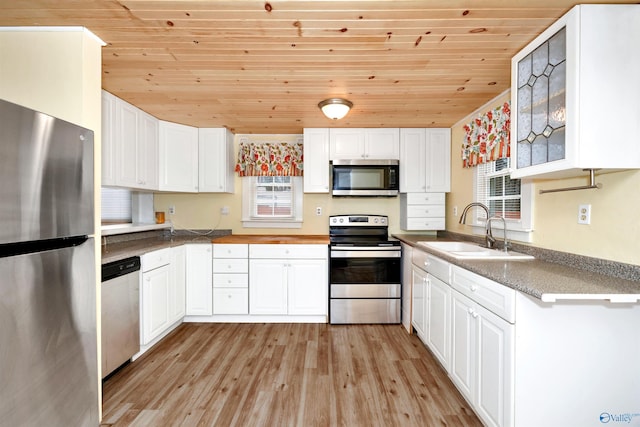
508,198
272,201
116,206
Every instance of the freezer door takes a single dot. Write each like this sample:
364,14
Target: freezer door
48,347
46,176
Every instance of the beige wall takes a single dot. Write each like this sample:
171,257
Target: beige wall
202,211
614,231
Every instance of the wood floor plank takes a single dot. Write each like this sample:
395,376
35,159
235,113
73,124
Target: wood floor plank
285,375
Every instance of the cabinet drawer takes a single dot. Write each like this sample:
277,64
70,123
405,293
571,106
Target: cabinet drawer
233,280
425,223
228,250
155,259
231,265
433,265
425,211
493,296
231,301
425,198
274,251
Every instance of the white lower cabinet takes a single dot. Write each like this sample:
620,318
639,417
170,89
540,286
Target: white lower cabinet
482,360
199,280
407,271
482,345
438,315
177,283
473,344
431,303
288,279
154,297
155,303
230,279
419,302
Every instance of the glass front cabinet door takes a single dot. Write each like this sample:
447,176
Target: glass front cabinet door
574,94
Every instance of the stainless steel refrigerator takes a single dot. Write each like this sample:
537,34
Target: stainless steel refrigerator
48,347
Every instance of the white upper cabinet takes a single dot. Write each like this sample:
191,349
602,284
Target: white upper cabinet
178,157
425,160
216,160
361,143
316,160
108,140
129,145
142,152
574,94
147,150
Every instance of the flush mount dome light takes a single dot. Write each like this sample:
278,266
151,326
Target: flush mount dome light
335,108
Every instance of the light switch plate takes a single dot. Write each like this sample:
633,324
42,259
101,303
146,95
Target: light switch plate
584,214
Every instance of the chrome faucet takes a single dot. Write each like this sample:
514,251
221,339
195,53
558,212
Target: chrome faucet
489,235
463,217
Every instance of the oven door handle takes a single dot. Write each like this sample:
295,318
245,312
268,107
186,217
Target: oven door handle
365,253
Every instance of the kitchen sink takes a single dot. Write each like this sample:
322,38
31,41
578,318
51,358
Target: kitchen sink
466,250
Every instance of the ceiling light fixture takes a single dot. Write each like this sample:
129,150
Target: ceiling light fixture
335,108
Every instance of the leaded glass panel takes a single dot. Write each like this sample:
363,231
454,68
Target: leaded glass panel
541,103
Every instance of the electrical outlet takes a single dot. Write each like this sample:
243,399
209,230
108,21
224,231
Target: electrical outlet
172,210
319,210
224,210
584,214
455,211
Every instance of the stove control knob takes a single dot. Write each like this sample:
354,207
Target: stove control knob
341,219
382,220
333,220
375,220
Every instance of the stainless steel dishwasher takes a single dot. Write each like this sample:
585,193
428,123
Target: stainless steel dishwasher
120,313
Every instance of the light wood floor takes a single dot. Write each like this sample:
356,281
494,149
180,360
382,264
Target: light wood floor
285,374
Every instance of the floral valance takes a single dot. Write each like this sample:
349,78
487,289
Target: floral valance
487,137
260,158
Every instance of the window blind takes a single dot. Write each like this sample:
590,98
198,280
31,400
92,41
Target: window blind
116,205
273,197
495,189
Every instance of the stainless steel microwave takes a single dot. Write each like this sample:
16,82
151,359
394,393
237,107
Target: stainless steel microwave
365,178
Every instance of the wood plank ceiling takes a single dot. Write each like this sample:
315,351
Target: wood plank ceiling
263,66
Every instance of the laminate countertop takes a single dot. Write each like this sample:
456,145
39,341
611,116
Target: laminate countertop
121,250
547,280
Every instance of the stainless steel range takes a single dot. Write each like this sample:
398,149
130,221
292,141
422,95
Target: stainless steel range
365,269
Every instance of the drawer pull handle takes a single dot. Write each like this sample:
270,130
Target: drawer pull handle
474,288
